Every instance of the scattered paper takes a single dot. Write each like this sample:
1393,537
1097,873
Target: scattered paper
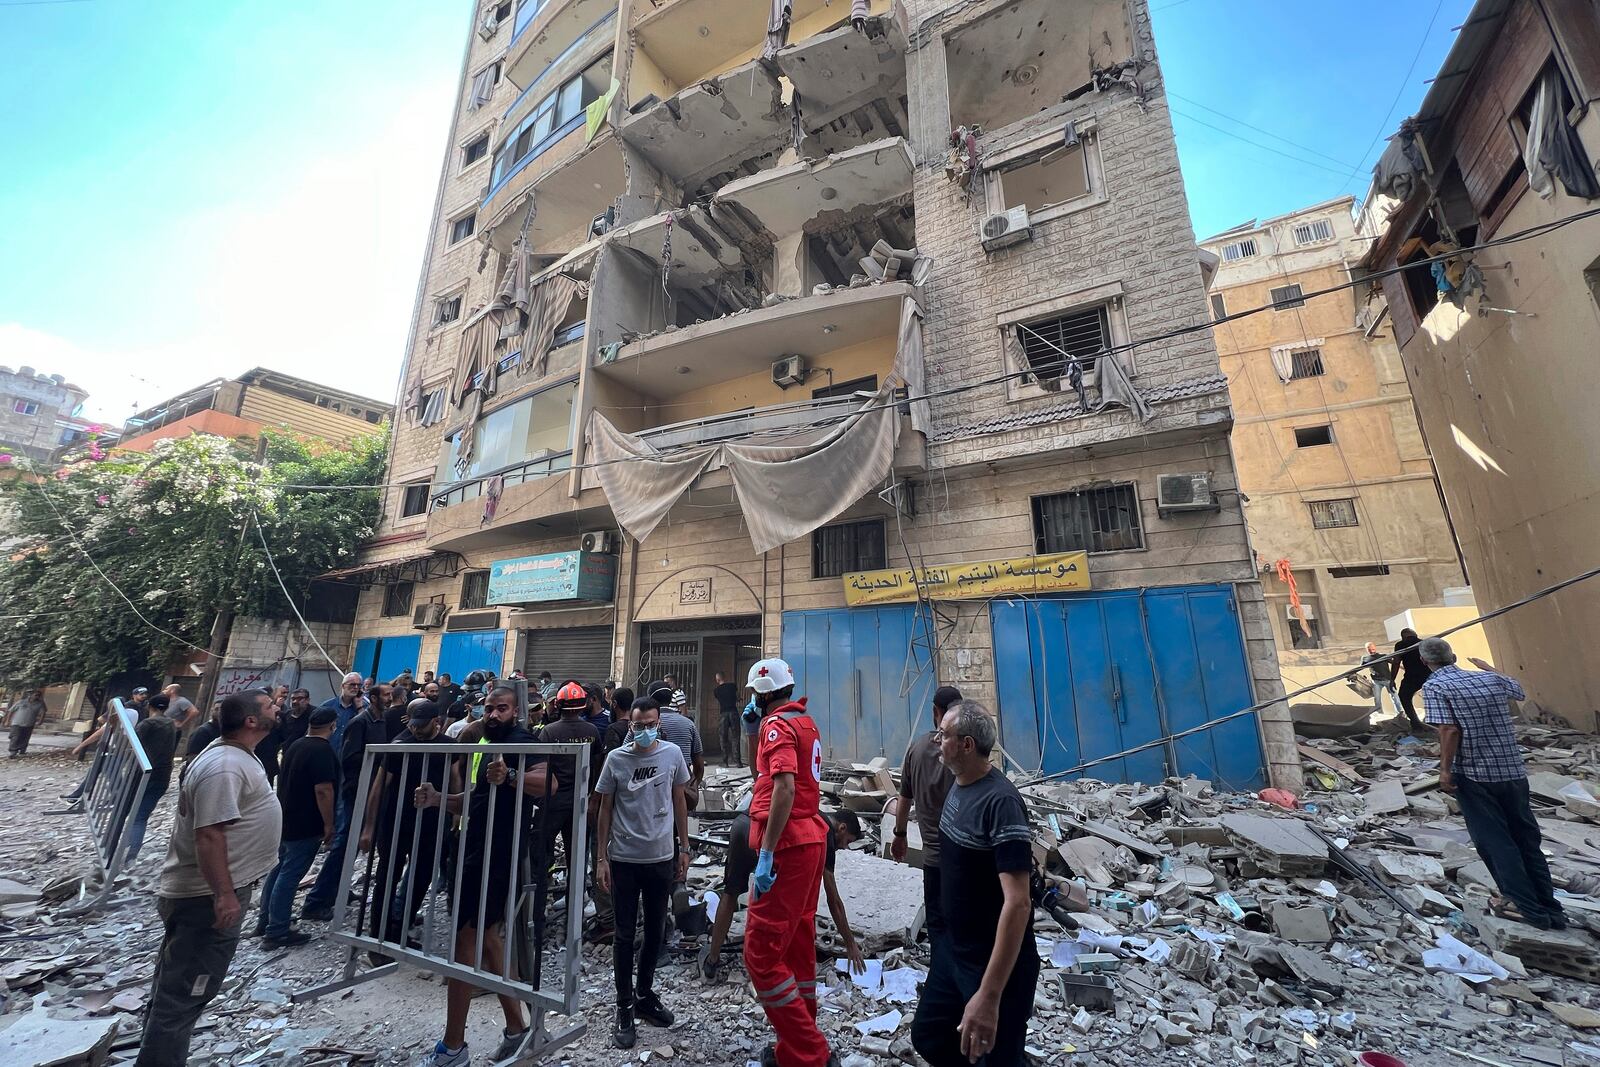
712,902
900,985
1065,953
887,1023
1149,910
1454,957
870,981
1156,952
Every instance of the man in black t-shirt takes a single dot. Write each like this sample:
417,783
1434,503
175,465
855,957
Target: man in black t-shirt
159,736
727,695
406,843
489,862
844,830
307,776
573,704
979,993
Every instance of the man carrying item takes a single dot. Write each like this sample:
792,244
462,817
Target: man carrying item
159,737
924,783
643,845
225,840
727,696
487,866
310,774
1381,668
844,830
389,801
979,993
787,828
1480,763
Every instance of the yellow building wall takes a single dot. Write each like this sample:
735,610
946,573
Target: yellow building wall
756,390
276,410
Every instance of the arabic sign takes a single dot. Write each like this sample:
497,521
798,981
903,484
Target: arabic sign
551,577
695,591
1061,573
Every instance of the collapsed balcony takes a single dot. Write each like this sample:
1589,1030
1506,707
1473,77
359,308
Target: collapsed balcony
702,120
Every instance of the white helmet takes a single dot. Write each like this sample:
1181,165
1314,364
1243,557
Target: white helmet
770,675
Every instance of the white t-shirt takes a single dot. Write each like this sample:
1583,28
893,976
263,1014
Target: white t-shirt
224,784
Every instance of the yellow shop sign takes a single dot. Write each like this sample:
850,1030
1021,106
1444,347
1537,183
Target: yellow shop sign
1026,575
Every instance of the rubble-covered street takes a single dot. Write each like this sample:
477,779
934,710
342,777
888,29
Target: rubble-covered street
1182,926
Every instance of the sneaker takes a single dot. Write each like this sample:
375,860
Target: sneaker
509,1044
710,968
650,1010
288,940
624,1035
316,915
443,1057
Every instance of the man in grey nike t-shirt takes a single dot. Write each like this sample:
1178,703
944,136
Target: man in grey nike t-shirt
643,811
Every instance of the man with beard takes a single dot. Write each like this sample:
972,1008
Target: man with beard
492,784
389,801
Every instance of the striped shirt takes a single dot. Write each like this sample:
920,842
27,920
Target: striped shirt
1478,702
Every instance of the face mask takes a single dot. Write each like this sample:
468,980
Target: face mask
645,736
477,712
752,713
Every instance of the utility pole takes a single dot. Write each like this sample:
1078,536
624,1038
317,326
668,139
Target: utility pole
222,625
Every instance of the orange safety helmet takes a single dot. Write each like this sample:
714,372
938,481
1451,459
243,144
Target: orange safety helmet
572,695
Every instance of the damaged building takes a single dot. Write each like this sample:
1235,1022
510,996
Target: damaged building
839,331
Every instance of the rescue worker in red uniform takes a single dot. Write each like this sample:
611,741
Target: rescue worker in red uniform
787,827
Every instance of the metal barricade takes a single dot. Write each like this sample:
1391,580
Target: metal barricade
453,885
115,785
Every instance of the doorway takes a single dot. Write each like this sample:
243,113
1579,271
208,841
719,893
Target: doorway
694,653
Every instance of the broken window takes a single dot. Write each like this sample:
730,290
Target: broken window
1285,297
847,547
1308,233
1311,436
1031,55
1048,343
1365,570
1306,363
1104,519
869,384
397,599
1219,307
1055,177
415,501
1333,514
447,309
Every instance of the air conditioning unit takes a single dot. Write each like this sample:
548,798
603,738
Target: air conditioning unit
1005,229
1293,614
1176,493
427,616
603,222
790,370
599,541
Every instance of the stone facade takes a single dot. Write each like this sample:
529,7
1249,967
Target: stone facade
997,438
30,404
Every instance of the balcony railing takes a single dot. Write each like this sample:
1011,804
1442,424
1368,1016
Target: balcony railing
598,27
530,470
806,414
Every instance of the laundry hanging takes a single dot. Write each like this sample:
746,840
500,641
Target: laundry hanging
1286,576
548,302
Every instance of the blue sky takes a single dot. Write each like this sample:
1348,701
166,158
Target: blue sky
192,189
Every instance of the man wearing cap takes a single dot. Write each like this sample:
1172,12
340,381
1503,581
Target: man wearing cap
681,731
924,783
391,823
787,828
307,775
572,703
365,728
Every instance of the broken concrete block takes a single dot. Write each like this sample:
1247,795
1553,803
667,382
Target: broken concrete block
1282,845
1566,952
1385,797
1404,868
41,1041
1574,1015
881,897
1303,925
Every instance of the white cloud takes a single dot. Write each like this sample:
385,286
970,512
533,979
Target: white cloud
317,281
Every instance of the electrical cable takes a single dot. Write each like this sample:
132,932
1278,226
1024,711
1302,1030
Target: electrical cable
1259,129
292,605
1257,144
1341,676
1398,93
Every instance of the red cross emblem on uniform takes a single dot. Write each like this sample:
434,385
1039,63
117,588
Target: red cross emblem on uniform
762,673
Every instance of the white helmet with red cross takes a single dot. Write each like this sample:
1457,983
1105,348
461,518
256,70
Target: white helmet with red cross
770,675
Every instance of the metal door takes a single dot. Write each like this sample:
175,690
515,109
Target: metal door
396,654
860,672
680,658
471,650
582,653
1087,676
366,657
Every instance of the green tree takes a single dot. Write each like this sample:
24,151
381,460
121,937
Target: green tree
176,531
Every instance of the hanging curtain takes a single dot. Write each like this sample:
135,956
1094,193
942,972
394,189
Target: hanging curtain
432,409
909,366
1117,388
412,404
778,27
641,483
594,115
466,445
474,354
1283,364
1553,149
482,87
547,306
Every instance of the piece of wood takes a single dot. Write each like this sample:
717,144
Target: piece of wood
1333,763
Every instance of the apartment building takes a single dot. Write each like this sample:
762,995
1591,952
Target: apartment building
241,407
808,329
1498,343
1340,487
34,409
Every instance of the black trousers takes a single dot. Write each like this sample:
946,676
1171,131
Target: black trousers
1408,693
631,884
732,730
1506,835
949,986
412,875
190,971
932,905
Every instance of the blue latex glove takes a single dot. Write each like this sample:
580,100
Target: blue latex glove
765,875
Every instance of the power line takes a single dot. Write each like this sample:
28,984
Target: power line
1258,129
292,606
1398,93
1257,144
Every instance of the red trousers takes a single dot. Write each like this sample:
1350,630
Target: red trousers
780,952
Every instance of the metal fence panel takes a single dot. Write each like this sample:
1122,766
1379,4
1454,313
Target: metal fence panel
115,785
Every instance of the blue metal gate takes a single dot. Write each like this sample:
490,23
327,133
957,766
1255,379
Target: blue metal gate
1089,675
462,653
385,657
868,681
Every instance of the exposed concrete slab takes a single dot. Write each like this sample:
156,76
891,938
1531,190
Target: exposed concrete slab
787,200
700,250
841,68
881,897
1385,797
713,125
37,1040
1281,845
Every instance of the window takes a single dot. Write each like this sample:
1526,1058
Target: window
1309,233
503,11
474,590
1088,520
462,228
446,309
1311,436
1333,514
415,501
551,119
71,434
1219,307
1285,297
869,384
1052,178
25,407
1298,635
1307,363
525,12
1239,250
1046,343
475,150
397,599
847,547
1371,570
533,429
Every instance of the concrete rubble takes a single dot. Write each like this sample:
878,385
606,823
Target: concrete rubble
1181,924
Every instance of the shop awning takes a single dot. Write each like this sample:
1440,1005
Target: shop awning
415,568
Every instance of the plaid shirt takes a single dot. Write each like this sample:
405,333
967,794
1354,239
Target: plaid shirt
1476,701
